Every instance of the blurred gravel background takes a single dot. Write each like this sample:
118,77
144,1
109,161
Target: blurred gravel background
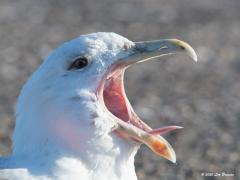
203,97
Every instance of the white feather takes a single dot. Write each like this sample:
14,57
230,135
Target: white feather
61,129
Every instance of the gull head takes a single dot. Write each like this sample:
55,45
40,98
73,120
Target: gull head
76,100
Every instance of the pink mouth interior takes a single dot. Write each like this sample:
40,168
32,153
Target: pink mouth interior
115,100
117,103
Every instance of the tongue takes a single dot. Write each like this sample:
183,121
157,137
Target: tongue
136,121
164,130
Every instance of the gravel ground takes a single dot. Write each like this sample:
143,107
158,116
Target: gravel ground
202,97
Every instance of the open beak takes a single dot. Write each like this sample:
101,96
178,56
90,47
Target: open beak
128,124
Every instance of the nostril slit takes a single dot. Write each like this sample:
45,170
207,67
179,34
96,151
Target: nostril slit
182,47
163,47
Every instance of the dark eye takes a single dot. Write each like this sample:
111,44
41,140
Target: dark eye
79,63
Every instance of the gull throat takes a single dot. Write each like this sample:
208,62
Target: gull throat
113,98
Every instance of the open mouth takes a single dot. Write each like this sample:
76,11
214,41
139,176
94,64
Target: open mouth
111,94
116,101
113,98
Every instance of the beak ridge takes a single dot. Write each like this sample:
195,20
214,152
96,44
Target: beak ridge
145,50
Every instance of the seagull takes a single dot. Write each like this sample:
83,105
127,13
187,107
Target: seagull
73,118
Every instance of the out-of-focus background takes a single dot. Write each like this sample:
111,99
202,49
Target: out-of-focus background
203,97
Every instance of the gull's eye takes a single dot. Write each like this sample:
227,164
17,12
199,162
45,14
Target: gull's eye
79,63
